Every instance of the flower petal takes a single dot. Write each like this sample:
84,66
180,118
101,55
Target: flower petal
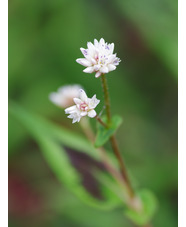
84,51
77,101
111,67
71,109
97,67
92,113
89,70
93,102
104,69
102,41
116,61
83,95
98,74
90,45
111,58
74,120
84,62
83,113
96,44
111,47
75,116
93,61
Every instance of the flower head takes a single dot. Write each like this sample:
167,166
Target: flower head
99,57
64,95
83,106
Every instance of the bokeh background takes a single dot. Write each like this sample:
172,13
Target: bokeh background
44,41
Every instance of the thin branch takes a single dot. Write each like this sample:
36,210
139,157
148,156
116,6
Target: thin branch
100,121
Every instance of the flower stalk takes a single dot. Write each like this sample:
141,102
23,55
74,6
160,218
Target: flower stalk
113,139
106,98
100,121
122,165
106,160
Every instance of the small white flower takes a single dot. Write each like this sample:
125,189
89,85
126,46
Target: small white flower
99,57
83,106
64,95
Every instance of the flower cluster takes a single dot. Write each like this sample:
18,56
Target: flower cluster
99,57
83,106
64,95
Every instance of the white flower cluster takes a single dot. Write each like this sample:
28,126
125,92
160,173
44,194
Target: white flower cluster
99,58
64,95
83,106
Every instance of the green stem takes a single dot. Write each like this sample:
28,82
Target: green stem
120,160
100,121
122,165
106,97
105,158
113,139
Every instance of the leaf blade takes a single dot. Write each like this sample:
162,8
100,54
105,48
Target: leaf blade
104,134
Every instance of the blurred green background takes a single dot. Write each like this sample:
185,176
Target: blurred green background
44,41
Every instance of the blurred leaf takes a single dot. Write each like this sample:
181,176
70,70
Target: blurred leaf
105,180
39,126
51,140
104,134
149,206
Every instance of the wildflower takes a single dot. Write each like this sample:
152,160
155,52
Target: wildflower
64,95
83,106
99,58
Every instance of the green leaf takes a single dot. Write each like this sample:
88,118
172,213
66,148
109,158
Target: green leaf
38,126
52,139
149,206
59,162
104,134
